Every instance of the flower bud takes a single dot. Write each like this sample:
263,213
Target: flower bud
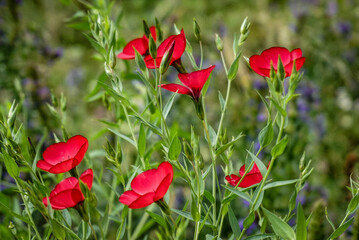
187,149
112,58
12,228
158,30
245,26
12,115
166,59
152,47
219,43
139,61
199,109
146,29
196,30
83,212
280,71
63,102
200,162
53,98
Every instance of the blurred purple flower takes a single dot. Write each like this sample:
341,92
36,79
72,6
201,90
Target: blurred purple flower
259,84
332,8
344,28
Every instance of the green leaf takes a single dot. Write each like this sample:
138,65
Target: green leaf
280,147
265,103
224,147
175,149
234,223
301,231
10,164
238,193
260,236
233,69
142,141
279,108
187,215
124,137
194,211
265,136
249,220
209,196
148,124
58,229
221,100
6,209
280,183
259,201
206,85
354,204
157,218
260,165
328,219
168,106
281,228
341,229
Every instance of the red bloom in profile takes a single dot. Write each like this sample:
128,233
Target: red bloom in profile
252,177
261,64
148,187
192,83
64,156
67,193
179,47
140,44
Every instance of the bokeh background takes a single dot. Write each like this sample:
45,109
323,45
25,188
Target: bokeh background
43,50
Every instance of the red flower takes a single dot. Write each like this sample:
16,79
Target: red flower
67,193
251,178
193,83
179,47
64,156
148,187
140,44
261,64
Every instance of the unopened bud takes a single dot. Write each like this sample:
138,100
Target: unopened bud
166,59
139,61
63,103
158,30
152,48
200,162
53,98
146,29
187,149
219,43
199,109
280,69
196,30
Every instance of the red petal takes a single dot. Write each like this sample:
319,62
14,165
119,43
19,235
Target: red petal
272,54
177,88
128,52
256,63
298,64
150,180
251,179
163,47
66,194
87,177
254,169
143,201
180,46
128,197
196,80
73,150
163,187
233,179
153,32
296,53
44,165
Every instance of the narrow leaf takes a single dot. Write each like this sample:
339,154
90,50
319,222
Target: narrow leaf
281,228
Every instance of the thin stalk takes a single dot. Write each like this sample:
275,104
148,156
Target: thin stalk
224,62
93,230
84,226
129,224
214,175
196,230
141,223
28,211
201,49
223,112
270,165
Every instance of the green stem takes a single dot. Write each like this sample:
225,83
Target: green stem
93,230
201,49
28,210
224,62
281,128
129,224
223,112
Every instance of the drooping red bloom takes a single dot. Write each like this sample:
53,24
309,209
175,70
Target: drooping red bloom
68,193
261,64
148,187
63,156
179,47
252,177
192,83
140,44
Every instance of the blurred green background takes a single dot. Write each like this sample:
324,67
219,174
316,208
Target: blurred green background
43,50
